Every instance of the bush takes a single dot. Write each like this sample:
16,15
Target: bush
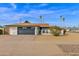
55,30
1,32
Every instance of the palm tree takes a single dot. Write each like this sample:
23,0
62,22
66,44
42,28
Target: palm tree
62,19
41,18
63,25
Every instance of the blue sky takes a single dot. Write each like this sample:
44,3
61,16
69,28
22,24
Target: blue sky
11,13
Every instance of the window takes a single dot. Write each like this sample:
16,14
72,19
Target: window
24,27
44,31
28,27
32,27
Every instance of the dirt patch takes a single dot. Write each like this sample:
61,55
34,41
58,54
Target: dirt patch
70,49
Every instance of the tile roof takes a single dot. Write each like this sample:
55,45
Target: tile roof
29,24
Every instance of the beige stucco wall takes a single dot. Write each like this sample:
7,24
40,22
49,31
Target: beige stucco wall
13,30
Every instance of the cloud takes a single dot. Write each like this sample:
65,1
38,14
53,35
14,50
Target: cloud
41,12
13,5
4,9
43,5
75,12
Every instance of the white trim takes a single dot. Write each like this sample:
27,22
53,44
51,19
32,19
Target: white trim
36,30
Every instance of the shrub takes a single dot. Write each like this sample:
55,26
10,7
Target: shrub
1,32
55,30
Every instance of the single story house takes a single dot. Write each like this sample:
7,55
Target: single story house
27,29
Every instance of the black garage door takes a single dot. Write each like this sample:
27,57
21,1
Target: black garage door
26,30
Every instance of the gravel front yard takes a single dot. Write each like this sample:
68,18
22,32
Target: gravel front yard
30,45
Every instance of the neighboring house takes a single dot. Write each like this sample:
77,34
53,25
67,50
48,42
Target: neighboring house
75,30
27,29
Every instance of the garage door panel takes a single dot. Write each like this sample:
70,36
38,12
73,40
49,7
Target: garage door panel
26,31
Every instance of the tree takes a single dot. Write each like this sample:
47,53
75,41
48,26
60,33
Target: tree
62,18
41,18
26,21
